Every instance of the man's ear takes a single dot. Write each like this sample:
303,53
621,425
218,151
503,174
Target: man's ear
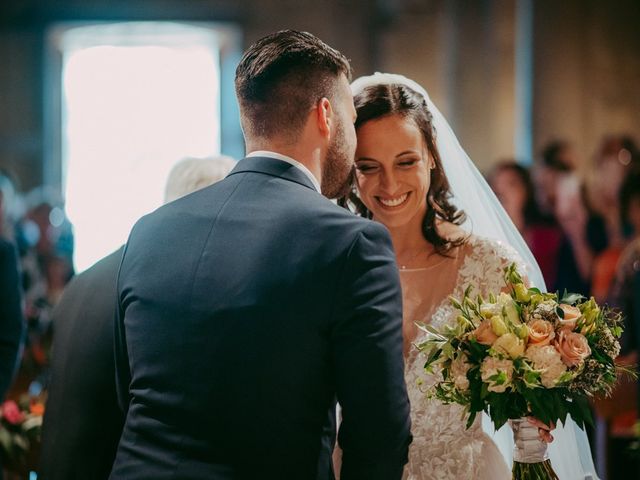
324,117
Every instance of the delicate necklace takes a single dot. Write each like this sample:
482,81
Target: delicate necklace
403,265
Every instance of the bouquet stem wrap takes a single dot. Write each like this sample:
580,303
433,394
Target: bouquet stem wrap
530,458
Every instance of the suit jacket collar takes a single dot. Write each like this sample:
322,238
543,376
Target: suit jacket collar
273,167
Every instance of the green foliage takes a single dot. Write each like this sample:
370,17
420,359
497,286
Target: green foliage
571,298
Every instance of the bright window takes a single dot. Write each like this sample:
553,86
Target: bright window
136,98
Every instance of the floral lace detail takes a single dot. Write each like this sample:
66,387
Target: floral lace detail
442,447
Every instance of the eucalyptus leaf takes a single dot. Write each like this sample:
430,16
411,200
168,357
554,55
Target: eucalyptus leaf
571,298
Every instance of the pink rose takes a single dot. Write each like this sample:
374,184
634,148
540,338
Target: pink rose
573,347
571,316
484,333
541,333
12,413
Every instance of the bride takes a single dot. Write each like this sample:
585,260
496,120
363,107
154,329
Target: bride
448,232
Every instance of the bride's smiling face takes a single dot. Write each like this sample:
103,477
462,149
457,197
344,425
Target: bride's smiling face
393,170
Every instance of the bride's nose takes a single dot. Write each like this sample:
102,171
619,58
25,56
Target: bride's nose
389,182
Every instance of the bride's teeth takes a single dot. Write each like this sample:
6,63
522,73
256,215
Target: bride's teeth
393,202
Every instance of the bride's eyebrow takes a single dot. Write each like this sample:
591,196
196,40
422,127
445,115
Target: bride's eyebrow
366,159
408,152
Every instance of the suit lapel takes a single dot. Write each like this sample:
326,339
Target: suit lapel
273,167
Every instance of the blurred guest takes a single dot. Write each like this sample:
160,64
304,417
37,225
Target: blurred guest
584,234
45,243
8,201
11,321
625,294
83,421
45,236
514,188
616,157
624,291
11,315
559,160
191,174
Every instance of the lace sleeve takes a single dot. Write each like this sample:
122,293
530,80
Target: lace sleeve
505,255
486,264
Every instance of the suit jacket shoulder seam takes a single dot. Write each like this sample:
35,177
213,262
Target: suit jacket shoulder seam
213,223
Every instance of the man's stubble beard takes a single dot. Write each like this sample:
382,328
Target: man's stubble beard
337,166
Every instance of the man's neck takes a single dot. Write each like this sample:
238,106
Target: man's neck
309,158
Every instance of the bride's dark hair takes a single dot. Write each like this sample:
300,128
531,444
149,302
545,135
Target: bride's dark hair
378,101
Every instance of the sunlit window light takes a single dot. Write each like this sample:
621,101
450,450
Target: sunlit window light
129,113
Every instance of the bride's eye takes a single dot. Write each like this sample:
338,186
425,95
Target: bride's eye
410,162
366,168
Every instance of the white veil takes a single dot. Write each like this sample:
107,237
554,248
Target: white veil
569,452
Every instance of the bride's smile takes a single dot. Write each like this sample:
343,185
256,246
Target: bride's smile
394,202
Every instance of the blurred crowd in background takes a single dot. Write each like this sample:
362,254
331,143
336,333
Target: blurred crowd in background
36,224
581,219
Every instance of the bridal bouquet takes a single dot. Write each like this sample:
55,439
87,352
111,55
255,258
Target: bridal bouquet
525,354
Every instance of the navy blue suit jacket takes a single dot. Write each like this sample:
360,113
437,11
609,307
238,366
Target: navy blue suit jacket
245,310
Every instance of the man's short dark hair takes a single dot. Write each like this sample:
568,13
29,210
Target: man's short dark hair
281,77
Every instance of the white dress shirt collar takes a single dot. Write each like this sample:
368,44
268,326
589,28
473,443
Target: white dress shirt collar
284,158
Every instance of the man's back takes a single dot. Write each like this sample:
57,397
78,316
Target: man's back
243,315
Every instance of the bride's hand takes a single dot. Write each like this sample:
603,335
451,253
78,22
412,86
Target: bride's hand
544,430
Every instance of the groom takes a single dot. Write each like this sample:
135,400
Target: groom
247,308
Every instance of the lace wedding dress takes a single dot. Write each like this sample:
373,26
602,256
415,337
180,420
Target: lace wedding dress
442,447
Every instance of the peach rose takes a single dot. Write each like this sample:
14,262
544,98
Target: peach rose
573,347
484,333
541,333
571,316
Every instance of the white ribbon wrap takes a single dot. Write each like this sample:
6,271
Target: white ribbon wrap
528,448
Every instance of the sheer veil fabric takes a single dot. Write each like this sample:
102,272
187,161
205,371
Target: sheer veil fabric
569,452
